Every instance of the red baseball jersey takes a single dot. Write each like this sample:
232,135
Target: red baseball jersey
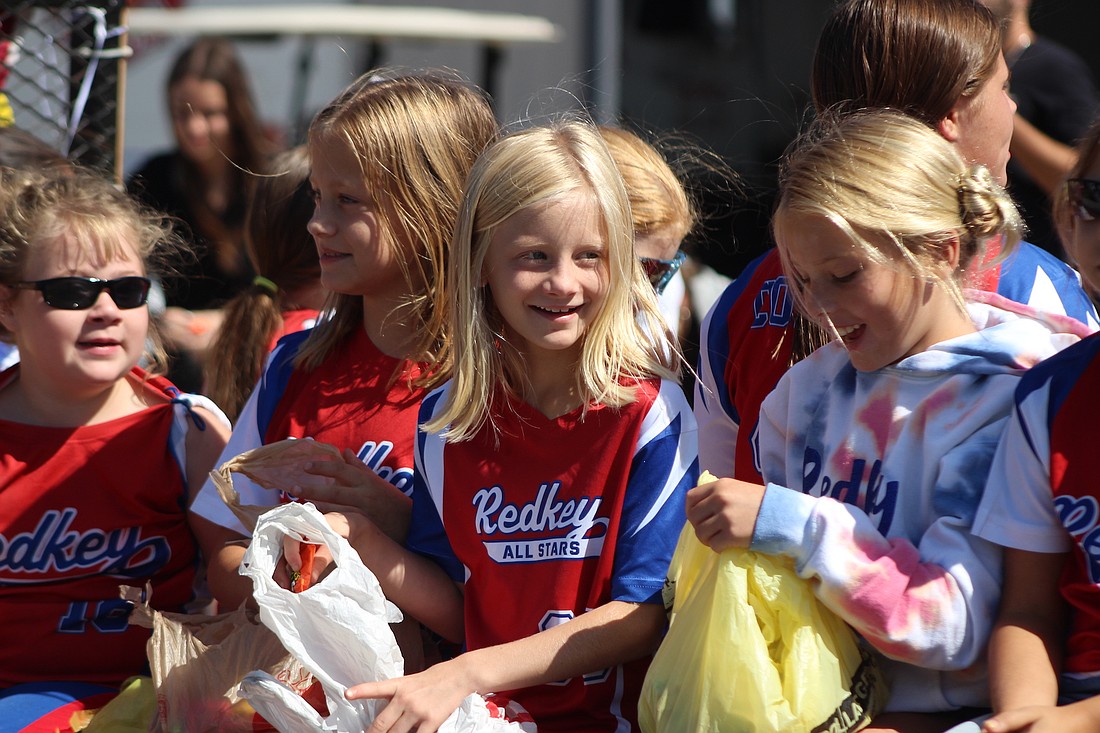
82,511
561,516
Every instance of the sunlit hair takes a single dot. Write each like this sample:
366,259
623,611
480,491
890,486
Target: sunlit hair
658,202
527,168
282,251
918,56
1086,154
87,210
900,191
416,137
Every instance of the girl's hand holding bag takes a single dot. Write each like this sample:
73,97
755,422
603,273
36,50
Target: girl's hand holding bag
750,648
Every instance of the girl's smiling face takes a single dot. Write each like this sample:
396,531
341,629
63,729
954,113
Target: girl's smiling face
357,252
880,311
76,351
546,268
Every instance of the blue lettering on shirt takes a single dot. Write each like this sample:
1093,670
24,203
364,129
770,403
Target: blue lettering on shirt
772,305
53,546
868,490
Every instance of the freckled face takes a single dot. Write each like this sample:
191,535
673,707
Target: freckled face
985,123
357,252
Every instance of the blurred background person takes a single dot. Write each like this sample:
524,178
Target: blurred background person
286,293
1055,96
204,182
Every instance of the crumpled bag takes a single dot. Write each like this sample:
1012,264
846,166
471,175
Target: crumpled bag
197,663
274,466
751,649
338,629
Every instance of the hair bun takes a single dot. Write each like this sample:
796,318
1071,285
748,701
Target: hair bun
985,208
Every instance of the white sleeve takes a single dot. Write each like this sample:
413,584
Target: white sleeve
1017,508
246,436
717,427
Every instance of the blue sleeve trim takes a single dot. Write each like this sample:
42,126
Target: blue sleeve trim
647,538
718,336
275,378
1018,280
427,535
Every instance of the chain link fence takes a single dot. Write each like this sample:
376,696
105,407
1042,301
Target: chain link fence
62,73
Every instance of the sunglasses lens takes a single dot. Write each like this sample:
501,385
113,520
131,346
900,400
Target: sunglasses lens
69,293
660,272
78,293
1084,198
129,292
655,270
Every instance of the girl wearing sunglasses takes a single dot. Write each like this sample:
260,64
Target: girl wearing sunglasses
1077,211
100,457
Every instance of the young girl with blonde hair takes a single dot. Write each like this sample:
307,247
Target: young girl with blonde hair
389,159
100,457
875,449
551,468
662,215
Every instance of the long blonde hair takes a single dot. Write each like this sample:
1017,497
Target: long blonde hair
524,169
900,191
416,137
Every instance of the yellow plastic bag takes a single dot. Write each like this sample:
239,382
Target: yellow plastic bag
750,649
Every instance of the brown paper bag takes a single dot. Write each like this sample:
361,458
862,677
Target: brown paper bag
198,661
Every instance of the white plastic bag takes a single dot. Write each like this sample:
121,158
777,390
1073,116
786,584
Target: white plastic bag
338,629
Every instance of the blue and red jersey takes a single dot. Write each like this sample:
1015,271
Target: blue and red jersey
546,519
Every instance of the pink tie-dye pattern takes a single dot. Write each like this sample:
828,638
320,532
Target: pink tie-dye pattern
878,417
903,607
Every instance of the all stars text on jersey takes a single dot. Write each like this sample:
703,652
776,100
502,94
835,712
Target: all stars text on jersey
546,515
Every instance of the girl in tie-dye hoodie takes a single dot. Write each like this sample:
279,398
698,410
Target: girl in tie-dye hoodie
875,449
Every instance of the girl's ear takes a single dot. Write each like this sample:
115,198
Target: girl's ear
948,127
952,252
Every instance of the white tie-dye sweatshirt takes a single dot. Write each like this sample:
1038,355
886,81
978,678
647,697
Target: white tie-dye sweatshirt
873,481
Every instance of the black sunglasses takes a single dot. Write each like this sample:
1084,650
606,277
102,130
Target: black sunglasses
79,293
1084,198
660,272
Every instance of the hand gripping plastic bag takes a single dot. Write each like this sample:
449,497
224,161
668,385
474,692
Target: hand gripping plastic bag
338,629
751,649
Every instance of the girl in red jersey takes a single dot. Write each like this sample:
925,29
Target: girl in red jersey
389,158
551,469
100,458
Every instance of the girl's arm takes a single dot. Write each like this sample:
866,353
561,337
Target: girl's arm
331,485
204,448
1026,649
606,636
1080,717
929,604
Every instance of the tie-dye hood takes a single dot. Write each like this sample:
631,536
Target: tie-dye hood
1010,337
